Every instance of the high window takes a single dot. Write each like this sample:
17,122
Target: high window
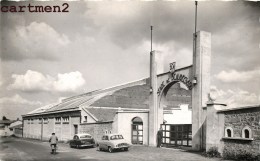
65,120
45,120
228,132
40,120
246,132
57,120
86,118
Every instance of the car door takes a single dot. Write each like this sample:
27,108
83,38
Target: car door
73,141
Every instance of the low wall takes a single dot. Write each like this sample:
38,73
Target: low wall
97,130
237,120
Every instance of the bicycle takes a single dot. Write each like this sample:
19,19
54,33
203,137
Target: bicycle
54,149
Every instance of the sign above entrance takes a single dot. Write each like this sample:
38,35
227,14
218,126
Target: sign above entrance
172,67
174,77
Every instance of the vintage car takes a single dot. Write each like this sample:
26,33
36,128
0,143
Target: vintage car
82,140
112,142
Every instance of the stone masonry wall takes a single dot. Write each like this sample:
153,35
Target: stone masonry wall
97,130
237,120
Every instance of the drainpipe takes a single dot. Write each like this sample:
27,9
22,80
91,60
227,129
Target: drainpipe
22,126
41,128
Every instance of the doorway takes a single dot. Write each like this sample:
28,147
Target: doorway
137,130
177,134
76,129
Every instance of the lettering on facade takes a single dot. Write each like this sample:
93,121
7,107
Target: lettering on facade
175,77
172,67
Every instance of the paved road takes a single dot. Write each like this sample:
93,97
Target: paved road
31,150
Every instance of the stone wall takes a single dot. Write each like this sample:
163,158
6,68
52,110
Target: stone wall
239,119
97,130
236,145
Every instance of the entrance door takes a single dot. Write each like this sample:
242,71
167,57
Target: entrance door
137,131
176,134
75,129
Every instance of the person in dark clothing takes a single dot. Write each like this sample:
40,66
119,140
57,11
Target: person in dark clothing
159,138
53,141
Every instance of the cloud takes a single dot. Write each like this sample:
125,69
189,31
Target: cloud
33,81
35,41
68,81
17,99
234,98
236,76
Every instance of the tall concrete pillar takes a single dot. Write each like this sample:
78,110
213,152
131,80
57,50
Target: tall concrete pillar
155,114
215,126
201,72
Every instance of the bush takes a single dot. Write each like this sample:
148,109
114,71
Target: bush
212,153
240,155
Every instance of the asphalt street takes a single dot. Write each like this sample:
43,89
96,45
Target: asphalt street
17,149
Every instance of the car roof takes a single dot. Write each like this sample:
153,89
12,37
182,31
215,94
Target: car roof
81,134
112,134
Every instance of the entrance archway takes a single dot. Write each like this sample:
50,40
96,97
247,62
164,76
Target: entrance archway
137,130
181,91
175,99
197,79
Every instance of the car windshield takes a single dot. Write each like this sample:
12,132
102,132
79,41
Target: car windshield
116,137
85,136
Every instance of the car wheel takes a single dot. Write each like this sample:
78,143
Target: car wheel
110,149
71,146
126,149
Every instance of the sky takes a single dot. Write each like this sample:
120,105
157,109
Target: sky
46,57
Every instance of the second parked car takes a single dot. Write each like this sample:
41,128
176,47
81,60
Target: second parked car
82,140
113,142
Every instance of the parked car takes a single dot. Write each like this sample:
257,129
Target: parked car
82,140
112,142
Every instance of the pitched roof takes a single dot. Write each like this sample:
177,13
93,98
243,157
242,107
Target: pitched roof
133,95
6,122
85,99
16,126
103,114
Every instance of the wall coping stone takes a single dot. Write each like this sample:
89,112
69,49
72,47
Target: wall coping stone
105,122
238,138
239,108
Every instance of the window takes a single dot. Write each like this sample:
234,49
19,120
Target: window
246,132
86,118
31,121
228,132
85,136
105,138
45,120
75,137
57,120
65,120
116,137
40,120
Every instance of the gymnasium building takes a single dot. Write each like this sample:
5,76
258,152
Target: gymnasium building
121,109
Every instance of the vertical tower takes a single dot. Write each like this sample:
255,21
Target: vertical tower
201,72
155,113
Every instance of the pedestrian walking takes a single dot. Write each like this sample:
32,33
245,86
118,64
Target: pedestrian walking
53,142
159,138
